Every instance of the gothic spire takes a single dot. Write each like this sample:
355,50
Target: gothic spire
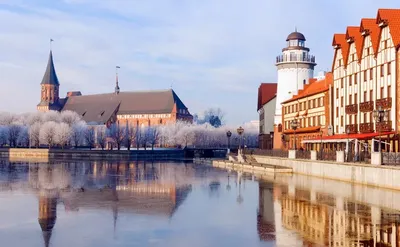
116,80
50,76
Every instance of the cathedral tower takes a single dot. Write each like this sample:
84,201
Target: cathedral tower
49,97
295,67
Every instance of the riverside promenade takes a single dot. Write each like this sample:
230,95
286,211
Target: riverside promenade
383,176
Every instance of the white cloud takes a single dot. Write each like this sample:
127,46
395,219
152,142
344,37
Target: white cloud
210,47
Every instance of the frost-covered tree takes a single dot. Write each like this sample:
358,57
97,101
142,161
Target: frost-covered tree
13,133
77,135
70,117
90,136
34,134
101,136
63,134
47,134
131,135
7,118
23,137
152,134
3,135
51,116
117,133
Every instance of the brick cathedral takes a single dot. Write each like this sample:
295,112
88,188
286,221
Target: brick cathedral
142,108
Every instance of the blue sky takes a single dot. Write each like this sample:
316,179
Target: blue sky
213,53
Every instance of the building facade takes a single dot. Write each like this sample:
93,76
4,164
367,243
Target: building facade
365,70
266,109
295,67
141,108
310,110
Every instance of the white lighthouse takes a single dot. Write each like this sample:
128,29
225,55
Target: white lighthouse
295,68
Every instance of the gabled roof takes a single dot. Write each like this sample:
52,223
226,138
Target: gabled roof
339,41
353,34
314,87
100,107
266,92
369,25
392,17
50,76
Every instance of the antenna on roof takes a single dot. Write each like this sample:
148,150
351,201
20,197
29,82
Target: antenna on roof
51,40
295,29
116,80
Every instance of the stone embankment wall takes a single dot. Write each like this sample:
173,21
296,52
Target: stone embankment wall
373,175
25,153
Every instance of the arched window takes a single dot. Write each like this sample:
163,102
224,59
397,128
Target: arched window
304,82
280,128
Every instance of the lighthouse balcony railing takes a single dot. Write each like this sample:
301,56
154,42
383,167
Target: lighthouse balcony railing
295,58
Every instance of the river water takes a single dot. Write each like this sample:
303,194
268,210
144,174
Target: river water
137,203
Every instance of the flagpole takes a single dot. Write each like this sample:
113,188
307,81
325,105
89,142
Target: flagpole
51,40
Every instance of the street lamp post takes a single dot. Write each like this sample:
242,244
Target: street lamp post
380,116
294,124
320,148
240,131
228,135
272,140
348,145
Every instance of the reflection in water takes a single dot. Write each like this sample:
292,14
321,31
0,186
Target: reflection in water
153,188
298,217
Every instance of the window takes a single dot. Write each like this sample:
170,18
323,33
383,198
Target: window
355,119
315,103
340,62
382,91
371,74
337,129
350,80
322,101
337,93
382,70
367,49
355,98
314,121
365,117
389,92
341,83
365,96
304,82
337,111
371,95
341,120
388,116
350,99
389,69
319,120
350,119
365,75
341,101
355,79
370,117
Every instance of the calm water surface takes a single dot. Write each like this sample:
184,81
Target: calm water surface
138,203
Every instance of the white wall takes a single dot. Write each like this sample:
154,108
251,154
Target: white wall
287,86
268,121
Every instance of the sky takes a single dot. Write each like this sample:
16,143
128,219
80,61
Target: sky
212,53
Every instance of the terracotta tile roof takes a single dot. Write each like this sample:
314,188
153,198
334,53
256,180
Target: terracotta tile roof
369,24
340,41
392,16
266,92
313,87
354,33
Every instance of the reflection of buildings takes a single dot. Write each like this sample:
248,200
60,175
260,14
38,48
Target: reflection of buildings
153,189
323,220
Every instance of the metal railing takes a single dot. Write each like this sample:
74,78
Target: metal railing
303,154
295,58
327,155
268,152
391,158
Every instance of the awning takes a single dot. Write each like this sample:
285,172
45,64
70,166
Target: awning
344,137
303,130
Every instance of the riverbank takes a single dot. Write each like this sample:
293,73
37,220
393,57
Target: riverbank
251,167
49,154
366,174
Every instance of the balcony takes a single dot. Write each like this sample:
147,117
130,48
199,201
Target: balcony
353,128
295,58
367,127
384,126
352,109
367,106
385,103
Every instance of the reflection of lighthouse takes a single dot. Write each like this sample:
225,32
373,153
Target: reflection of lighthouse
47,214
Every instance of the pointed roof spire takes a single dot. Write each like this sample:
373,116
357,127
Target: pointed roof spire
50,76
116,80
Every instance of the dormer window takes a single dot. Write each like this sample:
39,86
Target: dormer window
101,113
350,40
83,114
383,23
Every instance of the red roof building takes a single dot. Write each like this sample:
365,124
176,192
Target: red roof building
266,105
